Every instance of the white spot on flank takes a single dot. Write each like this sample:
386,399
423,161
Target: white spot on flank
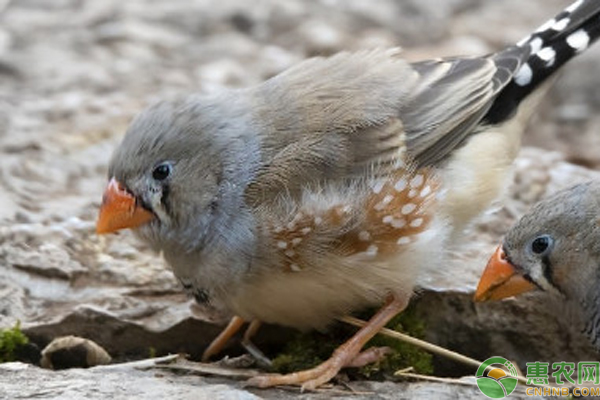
296,241
281,244
278,229
412,193
400,185
578,40
408,208
403,240
398,223
415,223
290,253
384,202
378,186
346,209
426,190
307,230
523,77
291,226
318,220
547,54
372,250
560,25
574,6
536,44
417,181
295,267
387,219
364,236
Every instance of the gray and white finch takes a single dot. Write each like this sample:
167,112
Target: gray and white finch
331,186
555,247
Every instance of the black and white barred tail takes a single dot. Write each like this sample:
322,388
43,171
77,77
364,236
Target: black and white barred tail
554,43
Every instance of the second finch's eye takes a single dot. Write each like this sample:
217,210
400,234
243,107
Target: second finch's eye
162,171
542,245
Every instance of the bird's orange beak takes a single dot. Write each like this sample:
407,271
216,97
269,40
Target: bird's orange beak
120,210
500,279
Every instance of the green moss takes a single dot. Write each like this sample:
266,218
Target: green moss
11,340
304,351
403,354
309,349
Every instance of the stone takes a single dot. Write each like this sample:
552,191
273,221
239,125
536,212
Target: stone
73,352
141,380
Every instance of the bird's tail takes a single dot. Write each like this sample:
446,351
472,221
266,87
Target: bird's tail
554,43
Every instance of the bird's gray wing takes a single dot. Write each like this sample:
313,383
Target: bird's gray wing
330,119
337,117
454,96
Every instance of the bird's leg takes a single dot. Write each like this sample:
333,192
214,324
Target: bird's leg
251,348
220,341
343,356
251,330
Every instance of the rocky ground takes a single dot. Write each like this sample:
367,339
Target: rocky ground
74,72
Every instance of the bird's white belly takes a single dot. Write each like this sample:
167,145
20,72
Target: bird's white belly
312,298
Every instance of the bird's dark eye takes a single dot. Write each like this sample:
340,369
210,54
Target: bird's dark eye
542,245
162,172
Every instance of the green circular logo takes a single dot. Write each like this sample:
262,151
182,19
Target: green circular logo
497,377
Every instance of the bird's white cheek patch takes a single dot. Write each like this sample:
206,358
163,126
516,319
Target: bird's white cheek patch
538,277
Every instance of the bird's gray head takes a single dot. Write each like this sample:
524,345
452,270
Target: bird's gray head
180,165
553,244
554,247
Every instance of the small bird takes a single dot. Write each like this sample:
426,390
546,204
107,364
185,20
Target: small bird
331,186
555,247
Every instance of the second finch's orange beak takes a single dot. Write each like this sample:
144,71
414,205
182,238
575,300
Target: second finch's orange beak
120,210
500,279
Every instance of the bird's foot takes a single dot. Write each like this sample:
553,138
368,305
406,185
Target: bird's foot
371,355
309,379
348,354
312,378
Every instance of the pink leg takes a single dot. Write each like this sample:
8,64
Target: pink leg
217,345
343,356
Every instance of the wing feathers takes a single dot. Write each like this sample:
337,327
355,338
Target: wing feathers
337,117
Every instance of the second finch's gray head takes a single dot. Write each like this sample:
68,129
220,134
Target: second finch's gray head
556,248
